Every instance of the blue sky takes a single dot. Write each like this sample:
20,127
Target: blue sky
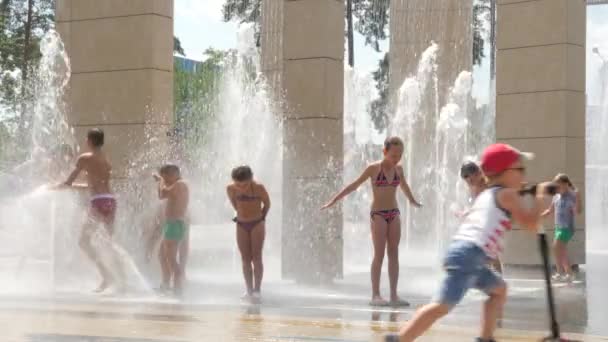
199,25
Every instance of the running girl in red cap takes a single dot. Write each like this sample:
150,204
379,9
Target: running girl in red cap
480,238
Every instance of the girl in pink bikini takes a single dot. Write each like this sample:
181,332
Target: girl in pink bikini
385,175
251,202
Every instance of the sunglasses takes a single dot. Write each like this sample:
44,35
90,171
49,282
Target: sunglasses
520,169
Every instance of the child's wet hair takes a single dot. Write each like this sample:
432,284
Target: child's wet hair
392,141
96,137
168,169
468,169
242,173
564,179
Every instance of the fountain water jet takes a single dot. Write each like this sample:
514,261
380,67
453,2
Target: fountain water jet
243,130
437,141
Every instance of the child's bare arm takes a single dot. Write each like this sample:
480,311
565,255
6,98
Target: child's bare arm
230,195
549,210
406,188
526,215
80,163
265,201
349,188
164,191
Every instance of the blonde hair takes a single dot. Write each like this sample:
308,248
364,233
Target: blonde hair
392,141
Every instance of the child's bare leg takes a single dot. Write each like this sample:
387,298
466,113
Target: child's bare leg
117,256
497,265
565,262
85,244
184,251
558,257
243,239
394,236
379,237
171,260
258,235
492,309
423,319
164,266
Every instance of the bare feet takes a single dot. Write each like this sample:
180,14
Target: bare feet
246,297
163,289
398,302
103,286
256,297
378,301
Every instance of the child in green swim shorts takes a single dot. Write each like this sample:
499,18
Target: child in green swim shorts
565,206
174,190
174,230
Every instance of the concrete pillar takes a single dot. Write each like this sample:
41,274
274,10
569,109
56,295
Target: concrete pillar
540,104
414,24
271,42
303,50
121,54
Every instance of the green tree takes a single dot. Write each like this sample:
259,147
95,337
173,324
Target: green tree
372,20
195,94
177,47
482,12
244,11
22,25
379,107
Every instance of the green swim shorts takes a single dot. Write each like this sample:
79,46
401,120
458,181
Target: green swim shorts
174,230
563,234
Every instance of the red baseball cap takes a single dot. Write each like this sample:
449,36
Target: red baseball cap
497,158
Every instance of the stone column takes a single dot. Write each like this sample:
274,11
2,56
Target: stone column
414,24
540,104
302,52
121,54
271,42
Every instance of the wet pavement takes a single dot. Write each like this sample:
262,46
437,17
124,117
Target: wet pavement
211,311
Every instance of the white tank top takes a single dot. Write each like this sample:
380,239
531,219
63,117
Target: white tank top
486,224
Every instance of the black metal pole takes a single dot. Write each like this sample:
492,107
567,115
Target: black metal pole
544,251
350,33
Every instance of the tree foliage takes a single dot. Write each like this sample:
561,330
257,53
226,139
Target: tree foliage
481,14
244,11
23,23
195,93
20,52
372,20
177,47
379,106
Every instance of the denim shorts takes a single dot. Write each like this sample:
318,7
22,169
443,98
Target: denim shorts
466,267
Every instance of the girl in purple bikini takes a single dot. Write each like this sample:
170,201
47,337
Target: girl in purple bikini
386,176
251,202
